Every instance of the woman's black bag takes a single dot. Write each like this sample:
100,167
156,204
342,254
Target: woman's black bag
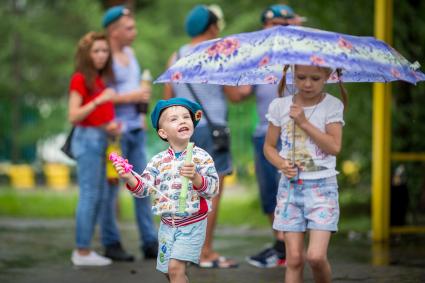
221,137
66,148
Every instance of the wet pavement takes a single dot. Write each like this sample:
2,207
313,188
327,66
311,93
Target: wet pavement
39,251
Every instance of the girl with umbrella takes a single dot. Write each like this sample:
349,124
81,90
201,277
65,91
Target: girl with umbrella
310,127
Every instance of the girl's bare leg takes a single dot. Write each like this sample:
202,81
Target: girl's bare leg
294,243
317,256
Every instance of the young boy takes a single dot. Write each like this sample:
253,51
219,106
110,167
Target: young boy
182,232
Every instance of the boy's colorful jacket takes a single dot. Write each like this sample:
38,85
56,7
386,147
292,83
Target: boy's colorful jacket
162,172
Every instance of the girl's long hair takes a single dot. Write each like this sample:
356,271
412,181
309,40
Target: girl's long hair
84,63
343,92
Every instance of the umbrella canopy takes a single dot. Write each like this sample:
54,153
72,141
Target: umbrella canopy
258,58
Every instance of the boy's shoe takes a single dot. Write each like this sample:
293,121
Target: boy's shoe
267,258
92,259
117,253
150,251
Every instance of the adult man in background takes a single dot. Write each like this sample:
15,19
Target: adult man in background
267,174
203,23
121,30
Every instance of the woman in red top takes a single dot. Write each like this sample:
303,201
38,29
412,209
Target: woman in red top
92,112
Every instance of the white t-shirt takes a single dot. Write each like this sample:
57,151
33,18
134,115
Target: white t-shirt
315,162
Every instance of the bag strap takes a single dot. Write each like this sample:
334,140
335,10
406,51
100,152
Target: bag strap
199,102
192,92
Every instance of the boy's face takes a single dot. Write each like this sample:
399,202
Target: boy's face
175,124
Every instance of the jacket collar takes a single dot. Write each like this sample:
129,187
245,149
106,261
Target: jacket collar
171,152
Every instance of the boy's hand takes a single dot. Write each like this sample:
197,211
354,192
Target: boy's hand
189,171
127,176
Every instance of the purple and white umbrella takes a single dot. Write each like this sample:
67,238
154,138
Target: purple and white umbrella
258,58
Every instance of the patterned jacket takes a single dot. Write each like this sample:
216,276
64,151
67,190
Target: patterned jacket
162,173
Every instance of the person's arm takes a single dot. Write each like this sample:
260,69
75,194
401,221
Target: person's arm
140,95
272,155
129,178
328,141
168,91
137,185
208,187
168,88
189,171
237,93
204,176
78,112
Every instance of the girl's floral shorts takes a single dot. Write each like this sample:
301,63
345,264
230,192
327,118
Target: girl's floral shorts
310,204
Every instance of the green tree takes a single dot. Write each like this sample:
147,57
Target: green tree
36,59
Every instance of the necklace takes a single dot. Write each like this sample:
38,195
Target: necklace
322,95
315,106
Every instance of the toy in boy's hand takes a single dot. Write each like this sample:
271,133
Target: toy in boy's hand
123,162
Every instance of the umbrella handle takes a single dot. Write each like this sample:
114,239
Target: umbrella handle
293,142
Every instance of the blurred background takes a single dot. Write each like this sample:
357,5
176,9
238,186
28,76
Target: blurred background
37,46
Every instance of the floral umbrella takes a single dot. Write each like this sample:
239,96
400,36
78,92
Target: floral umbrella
258,58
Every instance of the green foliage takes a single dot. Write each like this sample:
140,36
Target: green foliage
37,51
36,60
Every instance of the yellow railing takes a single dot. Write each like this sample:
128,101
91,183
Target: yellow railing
408,157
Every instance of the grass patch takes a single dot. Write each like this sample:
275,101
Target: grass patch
238,208
40,203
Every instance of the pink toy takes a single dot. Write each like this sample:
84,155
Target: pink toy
123,162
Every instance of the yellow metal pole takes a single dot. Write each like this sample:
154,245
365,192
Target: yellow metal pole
381,144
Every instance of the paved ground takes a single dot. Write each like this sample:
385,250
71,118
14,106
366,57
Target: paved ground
39,251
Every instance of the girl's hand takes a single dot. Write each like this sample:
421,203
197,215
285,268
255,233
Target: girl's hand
288,169
121,172
113,128
189,171
296,112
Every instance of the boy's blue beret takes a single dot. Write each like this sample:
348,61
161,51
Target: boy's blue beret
197,20
113,14
277,11
193,107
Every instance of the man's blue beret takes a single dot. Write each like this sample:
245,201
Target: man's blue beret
277,11
113,14
197,20
193,107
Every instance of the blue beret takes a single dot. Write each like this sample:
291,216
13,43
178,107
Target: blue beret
193,107
113,14
277,11
197,20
